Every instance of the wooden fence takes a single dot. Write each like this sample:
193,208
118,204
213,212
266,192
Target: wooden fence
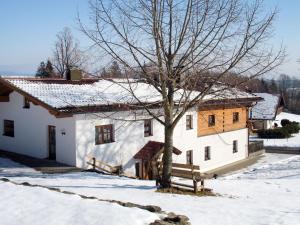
255,146
103,166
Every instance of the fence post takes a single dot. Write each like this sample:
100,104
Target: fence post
94,163
195,186
202,184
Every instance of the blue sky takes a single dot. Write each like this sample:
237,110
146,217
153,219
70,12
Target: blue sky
28,29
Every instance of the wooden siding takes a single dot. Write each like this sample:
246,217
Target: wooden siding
223,120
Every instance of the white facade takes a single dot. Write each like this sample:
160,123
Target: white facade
75,138
263,124
129,139
31,131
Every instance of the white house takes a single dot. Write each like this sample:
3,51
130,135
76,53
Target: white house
263,114
69,120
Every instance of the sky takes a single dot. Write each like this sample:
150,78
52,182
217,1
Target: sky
28,31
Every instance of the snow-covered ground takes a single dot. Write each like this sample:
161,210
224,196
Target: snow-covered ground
265,193
35,205
294,141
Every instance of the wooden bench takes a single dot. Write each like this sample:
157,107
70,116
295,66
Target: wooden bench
103,166
190,172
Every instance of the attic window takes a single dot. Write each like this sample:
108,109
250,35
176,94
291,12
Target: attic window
26,103
211,120
235,117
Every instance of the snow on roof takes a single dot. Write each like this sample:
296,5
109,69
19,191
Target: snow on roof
266,109
104,92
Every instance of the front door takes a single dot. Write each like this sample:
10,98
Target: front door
52,142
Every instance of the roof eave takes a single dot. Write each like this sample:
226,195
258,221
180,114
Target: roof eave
53,111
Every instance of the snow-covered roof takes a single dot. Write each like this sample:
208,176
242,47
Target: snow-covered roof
266,109
65,94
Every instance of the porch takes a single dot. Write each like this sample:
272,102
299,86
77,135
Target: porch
148,158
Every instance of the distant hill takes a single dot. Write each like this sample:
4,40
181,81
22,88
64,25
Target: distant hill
17,70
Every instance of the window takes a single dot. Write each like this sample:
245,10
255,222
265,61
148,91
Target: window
207,155
235,117
189,122
8,128
235,146
189,157
26,103
148,128
104,134
211,120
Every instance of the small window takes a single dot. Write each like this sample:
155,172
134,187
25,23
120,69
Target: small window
211,120
189,122
189,157
207,155
148,128
104,134
235,117
8,128
26,103
235,146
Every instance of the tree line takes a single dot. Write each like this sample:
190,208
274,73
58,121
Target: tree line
66,55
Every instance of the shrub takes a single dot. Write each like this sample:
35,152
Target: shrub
292,128
274,133
284,122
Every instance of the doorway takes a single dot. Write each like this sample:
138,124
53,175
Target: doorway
52,142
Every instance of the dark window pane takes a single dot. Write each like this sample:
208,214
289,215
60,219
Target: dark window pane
107,134
148,128
235,117
235,147
211,120
189,157
104,134
8,128
189,122
207,153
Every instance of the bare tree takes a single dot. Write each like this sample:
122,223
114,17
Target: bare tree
182,40
66,53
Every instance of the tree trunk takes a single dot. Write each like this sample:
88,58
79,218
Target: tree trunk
167,157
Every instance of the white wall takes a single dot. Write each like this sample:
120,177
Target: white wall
263,124
129,139
31,138
31,131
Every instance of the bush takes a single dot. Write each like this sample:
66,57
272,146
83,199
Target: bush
274,133
292,127
284,122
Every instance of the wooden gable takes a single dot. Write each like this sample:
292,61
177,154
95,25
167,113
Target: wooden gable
223,120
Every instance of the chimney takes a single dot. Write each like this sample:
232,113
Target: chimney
74,74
